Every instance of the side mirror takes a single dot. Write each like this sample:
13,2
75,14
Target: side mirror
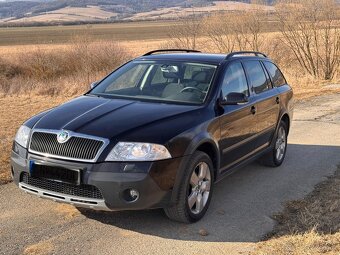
234,98
93,84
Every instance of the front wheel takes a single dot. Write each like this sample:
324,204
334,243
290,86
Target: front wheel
195,190
276,156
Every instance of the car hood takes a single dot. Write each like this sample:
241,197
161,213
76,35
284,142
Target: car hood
110,118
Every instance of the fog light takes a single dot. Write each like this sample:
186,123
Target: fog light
130,195
134,194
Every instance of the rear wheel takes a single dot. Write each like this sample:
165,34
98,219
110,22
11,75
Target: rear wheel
195,190
276,156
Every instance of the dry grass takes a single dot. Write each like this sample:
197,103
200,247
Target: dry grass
305,86
66,71
319,211
137,47
42,248
56,35
68,211
310,243
309,226
69,68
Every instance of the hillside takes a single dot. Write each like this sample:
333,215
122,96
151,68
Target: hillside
94,11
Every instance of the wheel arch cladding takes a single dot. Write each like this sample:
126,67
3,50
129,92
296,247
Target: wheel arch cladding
285,118
211,151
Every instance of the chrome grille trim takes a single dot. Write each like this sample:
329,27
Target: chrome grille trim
72,134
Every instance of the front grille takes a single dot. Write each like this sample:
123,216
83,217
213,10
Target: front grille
75,148
83,190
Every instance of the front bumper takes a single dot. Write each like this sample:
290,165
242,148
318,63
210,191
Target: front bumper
153,180
97,204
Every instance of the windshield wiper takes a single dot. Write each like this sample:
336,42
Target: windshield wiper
92,95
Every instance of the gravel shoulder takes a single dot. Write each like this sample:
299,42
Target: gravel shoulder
240,213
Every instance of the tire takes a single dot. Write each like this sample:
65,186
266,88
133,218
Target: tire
275,157
196,189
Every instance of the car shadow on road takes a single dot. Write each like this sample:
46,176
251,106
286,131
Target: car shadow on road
242,204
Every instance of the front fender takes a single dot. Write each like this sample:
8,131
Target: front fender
200,139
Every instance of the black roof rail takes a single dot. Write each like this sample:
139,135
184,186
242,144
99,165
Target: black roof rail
167,50
256,53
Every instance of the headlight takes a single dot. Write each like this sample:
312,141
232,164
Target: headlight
128,151
22,136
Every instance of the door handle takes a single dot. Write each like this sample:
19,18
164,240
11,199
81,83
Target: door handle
253,109
277,100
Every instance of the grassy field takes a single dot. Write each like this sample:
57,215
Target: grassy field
135,47
129,31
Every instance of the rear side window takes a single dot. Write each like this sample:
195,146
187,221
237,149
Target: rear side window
256,76
235,80
275,74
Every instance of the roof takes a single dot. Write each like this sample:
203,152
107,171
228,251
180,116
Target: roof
198,57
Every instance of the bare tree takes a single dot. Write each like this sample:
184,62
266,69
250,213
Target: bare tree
220,33
310,29
186,33
241,30
251,24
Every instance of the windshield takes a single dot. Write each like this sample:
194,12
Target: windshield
159,80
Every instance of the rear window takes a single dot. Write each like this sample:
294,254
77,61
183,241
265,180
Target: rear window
256,76
275,74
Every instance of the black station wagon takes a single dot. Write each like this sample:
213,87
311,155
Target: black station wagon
158,132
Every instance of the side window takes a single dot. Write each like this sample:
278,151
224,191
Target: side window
235,80
275,74
256,76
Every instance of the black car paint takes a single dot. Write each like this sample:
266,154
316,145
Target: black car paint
231,134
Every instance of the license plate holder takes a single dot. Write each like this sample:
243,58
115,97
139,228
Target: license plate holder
55,173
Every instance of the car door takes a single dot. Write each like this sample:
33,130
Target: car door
237,121
267,102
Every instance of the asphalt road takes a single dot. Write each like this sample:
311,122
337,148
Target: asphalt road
239,215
